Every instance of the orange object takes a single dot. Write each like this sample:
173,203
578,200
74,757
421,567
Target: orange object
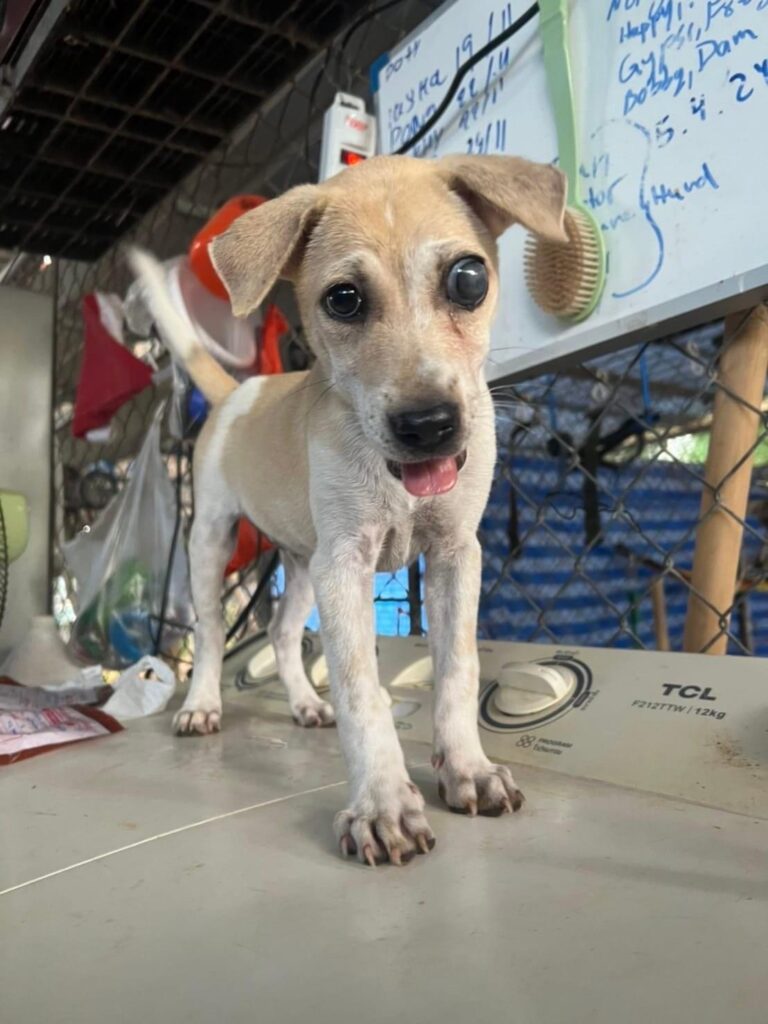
349,158
249,545
199,257
274,327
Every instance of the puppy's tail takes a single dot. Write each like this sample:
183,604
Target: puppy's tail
212,379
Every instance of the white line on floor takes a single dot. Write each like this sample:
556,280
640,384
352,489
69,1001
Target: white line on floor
176,831
171,832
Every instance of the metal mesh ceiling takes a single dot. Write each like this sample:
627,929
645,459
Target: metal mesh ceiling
123,100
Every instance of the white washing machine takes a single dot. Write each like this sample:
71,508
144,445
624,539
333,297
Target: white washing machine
685,726
149,878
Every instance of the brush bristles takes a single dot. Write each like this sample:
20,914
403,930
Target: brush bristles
563,277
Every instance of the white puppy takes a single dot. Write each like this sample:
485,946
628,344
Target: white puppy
384,450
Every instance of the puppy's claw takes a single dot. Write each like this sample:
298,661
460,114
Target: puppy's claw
313,716
483,788
369,856
394,833
191,722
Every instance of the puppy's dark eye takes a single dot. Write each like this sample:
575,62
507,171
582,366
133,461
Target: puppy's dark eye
344,302
467,282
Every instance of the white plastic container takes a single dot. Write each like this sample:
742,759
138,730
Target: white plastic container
230,339
349,135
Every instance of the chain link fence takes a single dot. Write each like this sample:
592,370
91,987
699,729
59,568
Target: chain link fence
591,528
590,531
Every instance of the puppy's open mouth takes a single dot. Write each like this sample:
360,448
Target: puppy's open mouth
431,477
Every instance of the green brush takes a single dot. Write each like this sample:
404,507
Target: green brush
565,278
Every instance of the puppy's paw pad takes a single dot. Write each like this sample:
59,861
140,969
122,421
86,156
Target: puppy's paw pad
313,715
197,721
483,788
377,831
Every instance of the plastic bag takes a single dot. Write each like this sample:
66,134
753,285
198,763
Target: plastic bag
29,730
123,564
142,689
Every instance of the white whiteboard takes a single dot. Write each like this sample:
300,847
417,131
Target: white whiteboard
673,106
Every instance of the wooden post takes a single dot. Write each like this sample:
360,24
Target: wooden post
743,368
659,604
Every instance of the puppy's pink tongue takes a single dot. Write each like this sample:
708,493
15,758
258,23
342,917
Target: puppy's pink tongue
425,479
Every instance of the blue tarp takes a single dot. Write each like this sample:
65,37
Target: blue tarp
558,588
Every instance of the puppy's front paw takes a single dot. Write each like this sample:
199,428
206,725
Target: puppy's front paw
197,721
476,786
385,824
312,713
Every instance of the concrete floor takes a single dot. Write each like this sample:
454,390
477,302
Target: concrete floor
147,878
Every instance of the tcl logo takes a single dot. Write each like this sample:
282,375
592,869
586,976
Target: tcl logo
356,123
688,692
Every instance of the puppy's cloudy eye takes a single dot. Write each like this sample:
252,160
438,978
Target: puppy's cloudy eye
344,302
467,282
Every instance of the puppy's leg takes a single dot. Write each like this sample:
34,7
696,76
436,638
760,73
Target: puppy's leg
285,631
468,781
210,546
385,818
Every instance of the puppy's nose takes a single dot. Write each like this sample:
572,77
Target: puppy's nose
425,430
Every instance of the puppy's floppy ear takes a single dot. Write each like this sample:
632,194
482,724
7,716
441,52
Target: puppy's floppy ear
505,190
263,245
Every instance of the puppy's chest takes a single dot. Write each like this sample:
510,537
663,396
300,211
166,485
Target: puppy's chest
407,536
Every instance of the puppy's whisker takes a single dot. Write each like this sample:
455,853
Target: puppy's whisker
502,389
320,397
310,384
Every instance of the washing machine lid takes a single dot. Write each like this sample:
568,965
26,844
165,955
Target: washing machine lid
694,727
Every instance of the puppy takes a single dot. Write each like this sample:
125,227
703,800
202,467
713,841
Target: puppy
383,451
